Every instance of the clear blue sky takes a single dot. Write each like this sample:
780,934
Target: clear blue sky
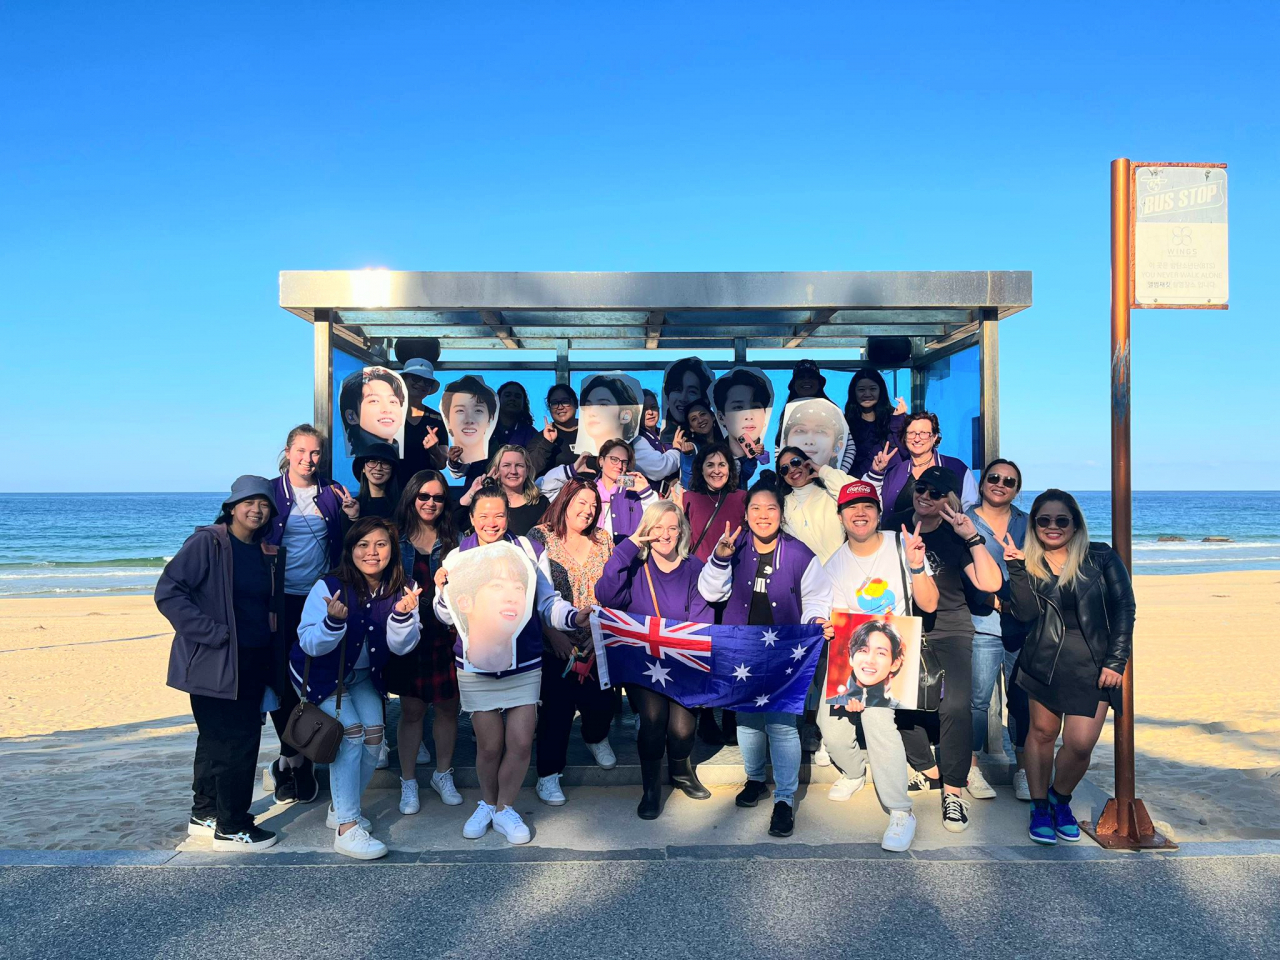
160,164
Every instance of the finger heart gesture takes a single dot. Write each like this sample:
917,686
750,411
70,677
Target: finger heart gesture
409,601
335,608
431,439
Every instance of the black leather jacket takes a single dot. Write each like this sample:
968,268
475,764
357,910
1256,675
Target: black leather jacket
1104,606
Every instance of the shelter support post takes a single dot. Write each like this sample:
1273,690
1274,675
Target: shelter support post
989,362
1124,822
323,415
562,362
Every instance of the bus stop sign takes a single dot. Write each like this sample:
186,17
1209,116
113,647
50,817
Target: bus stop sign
1179,235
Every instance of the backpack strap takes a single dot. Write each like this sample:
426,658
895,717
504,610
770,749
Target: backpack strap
906,573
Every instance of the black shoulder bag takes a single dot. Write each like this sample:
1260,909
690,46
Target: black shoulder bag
311,731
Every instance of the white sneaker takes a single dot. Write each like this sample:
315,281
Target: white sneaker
508,823
900,832
442,783
1021,789
821,758
409,802
478,823
384,757
331,821
979,789
424,755
846,787
604,754
549,792
359,844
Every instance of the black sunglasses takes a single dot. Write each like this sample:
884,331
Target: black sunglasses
795,463
998,481
1059,521
432,497
924,490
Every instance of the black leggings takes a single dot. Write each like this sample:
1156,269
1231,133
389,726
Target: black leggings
951,728
664,725
285,637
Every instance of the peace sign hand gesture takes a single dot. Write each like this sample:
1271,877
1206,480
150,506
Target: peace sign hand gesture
959,523
680,443
724,548
1011,551
409,601
350,505
913,545
336,609
640,541
883,458
550,431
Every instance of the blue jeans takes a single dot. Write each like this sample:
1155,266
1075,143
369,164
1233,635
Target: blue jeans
783,736
352,769
988,657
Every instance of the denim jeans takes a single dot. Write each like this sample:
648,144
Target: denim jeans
988,657
783,738
353,767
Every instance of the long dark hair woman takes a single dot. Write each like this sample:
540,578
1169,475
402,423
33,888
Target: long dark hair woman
426,675
375,470
577,551
873,421
652,575
355,617
223,592
1072,662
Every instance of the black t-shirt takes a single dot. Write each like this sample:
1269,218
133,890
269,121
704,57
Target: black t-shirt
760,613
383,507
948,556
250,594
522,519
413,456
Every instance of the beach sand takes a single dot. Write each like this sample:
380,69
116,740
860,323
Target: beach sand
96,750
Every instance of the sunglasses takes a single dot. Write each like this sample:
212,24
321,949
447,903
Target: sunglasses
431,498
924,490
998,481
795,463
1060,522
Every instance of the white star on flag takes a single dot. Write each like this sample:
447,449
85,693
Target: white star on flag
761,700
740,672
797,653
768,637
658,674
788,671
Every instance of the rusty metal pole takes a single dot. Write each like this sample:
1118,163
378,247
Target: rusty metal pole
1124,823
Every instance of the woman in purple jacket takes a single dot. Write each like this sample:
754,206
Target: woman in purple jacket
768,578
651,574
921,435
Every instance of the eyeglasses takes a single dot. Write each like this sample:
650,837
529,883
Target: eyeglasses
617,461
1060,522
795,463
431,498
560,402
924,490
998,481
919,434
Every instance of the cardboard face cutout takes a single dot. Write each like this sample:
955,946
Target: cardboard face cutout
373,404
743,400
874,659
469,408
817,427
490,595
683,382
612,408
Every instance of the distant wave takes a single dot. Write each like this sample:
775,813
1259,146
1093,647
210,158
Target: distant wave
86,564
40,575
1200,545
1242,561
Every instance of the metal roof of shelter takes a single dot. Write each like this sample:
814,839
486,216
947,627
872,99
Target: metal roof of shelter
939,310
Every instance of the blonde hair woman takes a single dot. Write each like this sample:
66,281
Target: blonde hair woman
513,470
1073,660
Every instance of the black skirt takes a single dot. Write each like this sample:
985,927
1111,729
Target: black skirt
1074,690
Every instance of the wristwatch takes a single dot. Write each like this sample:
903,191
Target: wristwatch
976,540
915,571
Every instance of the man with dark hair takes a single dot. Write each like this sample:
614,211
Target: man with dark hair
372,405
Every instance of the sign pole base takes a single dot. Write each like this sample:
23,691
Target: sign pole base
1126,825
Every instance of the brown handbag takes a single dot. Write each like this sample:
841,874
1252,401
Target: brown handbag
311,731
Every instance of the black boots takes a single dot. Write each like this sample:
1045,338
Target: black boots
683,777
651,797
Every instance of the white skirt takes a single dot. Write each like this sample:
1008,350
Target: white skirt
483,691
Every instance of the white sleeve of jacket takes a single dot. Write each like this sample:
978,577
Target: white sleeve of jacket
554,480
816,592
554,611
317,634
850,454
653,464
716,580
833,480
403,631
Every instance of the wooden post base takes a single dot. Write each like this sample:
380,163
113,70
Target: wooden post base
1126,825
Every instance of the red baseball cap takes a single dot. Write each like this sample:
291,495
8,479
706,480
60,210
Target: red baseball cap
859,491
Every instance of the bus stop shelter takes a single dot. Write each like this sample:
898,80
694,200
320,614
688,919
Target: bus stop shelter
571,324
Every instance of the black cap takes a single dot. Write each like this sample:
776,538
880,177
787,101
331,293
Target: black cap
941,479
807,368
374,451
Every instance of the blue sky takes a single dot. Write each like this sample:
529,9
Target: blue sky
160,164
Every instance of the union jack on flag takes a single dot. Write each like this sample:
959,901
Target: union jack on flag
688,643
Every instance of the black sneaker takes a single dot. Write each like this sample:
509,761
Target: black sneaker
955,812
306,787
286,790
919,783
783,820
249,840
751,793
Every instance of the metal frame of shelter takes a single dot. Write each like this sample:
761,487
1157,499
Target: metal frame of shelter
830,315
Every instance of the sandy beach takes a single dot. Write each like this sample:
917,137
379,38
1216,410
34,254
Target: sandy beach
96,750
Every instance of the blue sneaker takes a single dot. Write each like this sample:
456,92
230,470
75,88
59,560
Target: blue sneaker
1041,829
1064,821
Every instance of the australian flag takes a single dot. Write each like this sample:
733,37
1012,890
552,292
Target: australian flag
753,669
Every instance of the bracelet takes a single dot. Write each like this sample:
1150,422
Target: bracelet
915,571
976,540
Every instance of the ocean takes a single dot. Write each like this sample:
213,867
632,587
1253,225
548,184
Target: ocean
103,544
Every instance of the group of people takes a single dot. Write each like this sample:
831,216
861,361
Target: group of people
304,592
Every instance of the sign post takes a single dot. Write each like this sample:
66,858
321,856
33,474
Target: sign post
1168,249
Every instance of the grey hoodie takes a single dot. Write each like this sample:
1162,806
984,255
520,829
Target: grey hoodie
194,594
